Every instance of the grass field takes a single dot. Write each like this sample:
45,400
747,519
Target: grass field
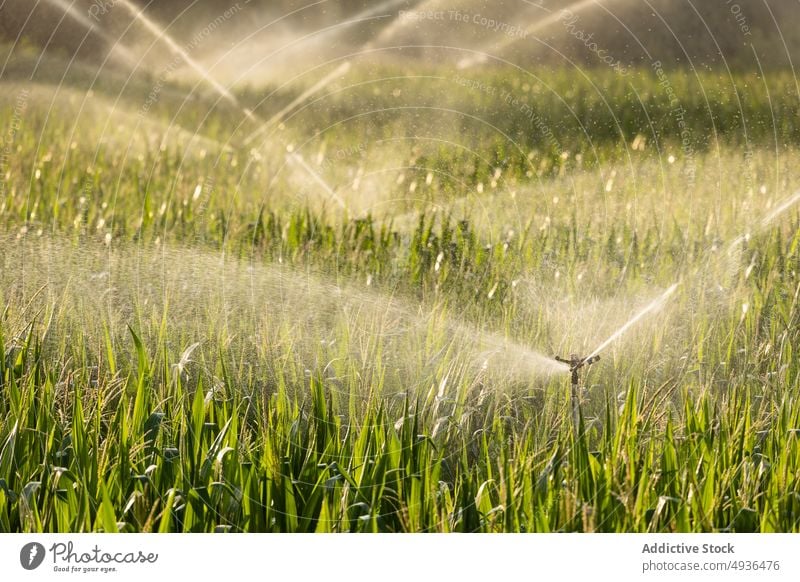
348,323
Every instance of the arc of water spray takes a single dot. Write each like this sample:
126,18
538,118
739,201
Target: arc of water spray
318,86
83,20
162,35
340,71
223,91
298,159
779,210
652,306
552,18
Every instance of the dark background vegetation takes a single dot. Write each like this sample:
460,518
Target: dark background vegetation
702,34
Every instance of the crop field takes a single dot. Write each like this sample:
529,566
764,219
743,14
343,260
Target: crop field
333,304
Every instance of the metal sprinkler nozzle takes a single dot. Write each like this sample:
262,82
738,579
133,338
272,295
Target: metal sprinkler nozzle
575,363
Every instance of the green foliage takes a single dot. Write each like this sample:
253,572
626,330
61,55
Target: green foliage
696,431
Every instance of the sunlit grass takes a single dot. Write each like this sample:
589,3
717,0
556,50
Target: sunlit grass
193,338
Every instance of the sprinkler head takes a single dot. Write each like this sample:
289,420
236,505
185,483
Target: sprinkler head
575,363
